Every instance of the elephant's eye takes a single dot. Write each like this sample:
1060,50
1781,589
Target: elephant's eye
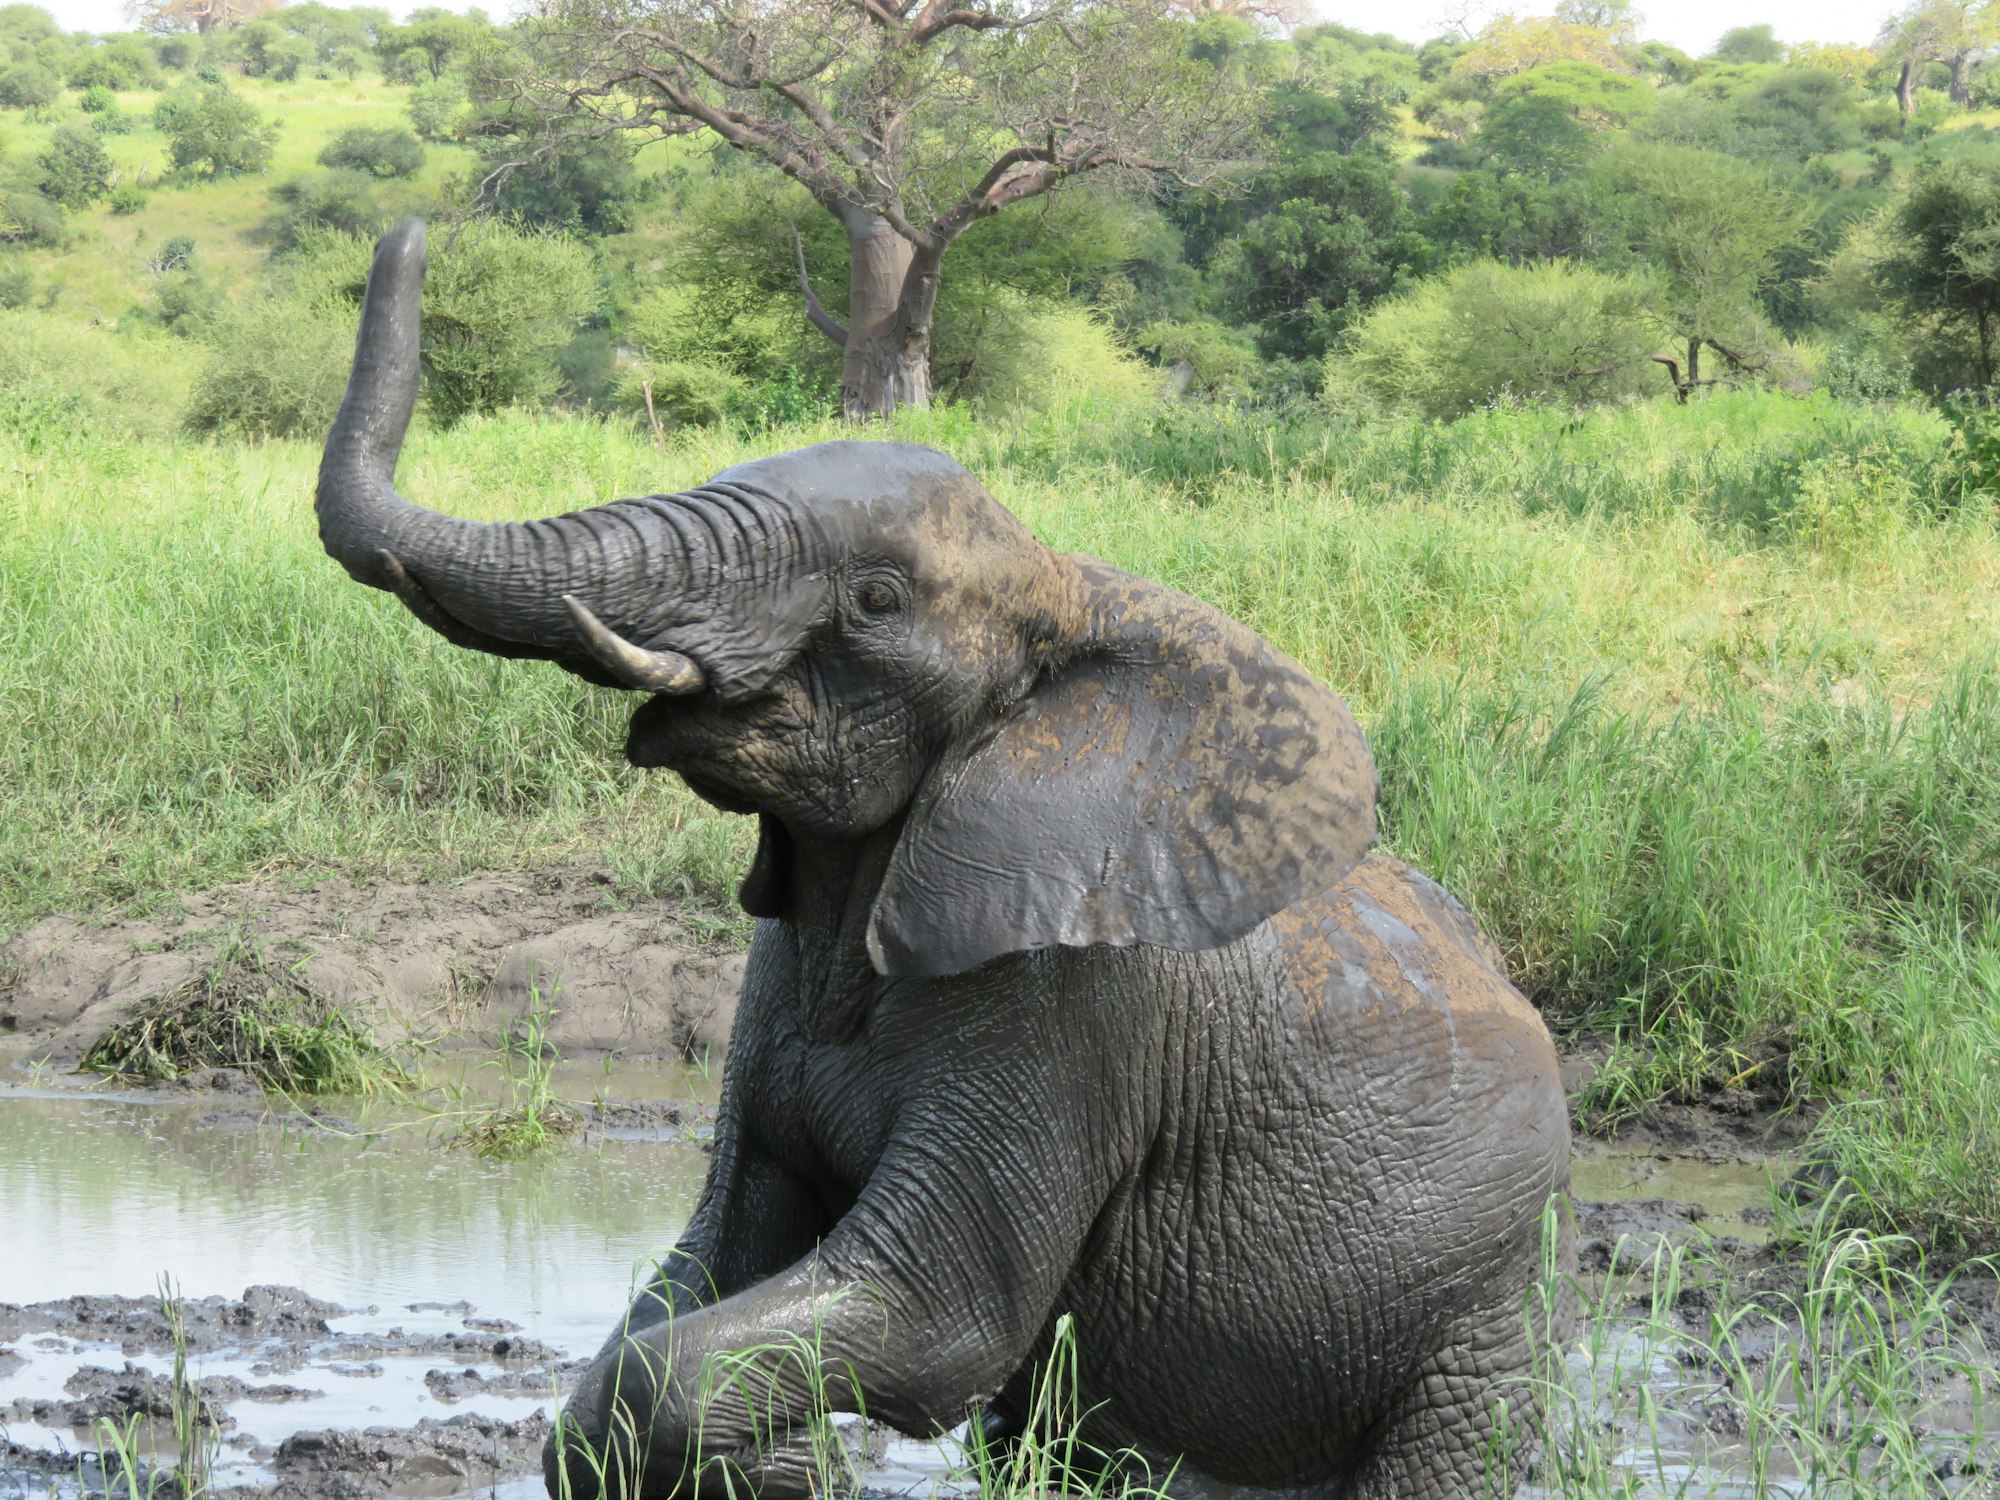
877,597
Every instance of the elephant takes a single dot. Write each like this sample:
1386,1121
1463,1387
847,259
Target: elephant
1079,1003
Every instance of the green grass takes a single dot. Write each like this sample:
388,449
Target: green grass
529,1120
1696,706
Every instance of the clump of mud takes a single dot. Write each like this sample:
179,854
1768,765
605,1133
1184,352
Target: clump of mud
249,1016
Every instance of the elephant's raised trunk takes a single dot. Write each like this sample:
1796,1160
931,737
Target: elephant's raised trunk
570,589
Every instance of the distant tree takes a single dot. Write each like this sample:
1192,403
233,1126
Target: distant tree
28,86
1658,60
1598,98
215,132
435,39
123,62
1943,262
1511,45
202,16
382,151
1953,33
1341,233
1851,65
75,167
1617,19
585,186
436,107
907,121
1483,331
1749,44
1717,227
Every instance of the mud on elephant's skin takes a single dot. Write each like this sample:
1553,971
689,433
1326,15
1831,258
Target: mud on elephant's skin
1076,988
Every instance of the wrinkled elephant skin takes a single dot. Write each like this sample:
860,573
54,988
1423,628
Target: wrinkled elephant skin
1075,990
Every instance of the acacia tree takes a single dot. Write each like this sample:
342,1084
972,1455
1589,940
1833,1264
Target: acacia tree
203,16
906,120
1955,33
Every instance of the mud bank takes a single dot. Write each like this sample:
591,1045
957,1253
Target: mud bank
451,964
274,1364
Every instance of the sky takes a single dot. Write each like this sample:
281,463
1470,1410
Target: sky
1691,25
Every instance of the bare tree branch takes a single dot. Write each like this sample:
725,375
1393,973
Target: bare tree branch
821,319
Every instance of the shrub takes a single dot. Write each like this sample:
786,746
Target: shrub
27,217
121,63
76,169
344,201
128,198
28,86
385,152
96,99
1486,330
499,302
1203,356
436,106
17,287
685,393
177,254
68,381
215,132
276,365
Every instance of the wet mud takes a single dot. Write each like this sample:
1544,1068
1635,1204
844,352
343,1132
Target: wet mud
445,964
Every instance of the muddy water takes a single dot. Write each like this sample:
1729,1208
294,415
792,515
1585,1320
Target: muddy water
470,1285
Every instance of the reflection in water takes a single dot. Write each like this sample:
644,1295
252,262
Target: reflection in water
102,1195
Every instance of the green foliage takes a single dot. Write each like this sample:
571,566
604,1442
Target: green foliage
96,100
437,107
1942,263
28,85
1717,227
348,202
63,385
117,63
75,167
1748,44
1341,233
27,217
214,132
1218,360
381,151
582,186
1483,332
17,287
128,198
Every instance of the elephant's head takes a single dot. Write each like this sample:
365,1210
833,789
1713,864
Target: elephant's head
855,638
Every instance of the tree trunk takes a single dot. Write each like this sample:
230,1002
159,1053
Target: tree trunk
1694,363
890,296
1906,87
1961,79
1985,346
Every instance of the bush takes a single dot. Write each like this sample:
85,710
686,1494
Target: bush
75,167
1486,330
214,132
128,198
1202,356
499,303
28,86
436,106
96,99
121,63
17,287
345,201
65,381
385,152
29,218
276,365
177,254
685,393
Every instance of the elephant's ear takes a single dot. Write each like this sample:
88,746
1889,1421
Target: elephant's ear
1175,781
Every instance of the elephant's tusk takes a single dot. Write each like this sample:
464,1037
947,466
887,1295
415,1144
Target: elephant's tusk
633,666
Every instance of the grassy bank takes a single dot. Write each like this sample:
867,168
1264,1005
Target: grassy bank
1696,706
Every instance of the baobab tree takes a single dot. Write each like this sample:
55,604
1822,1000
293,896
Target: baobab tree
906,120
